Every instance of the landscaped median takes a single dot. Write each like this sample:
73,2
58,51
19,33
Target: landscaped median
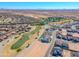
24,38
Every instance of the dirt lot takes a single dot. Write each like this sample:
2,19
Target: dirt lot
37,49
73,46
66,53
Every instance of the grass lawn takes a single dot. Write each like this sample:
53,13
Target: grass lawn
25,37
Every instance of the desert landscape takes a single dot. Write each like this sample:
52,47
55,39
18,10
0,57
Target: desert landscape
39,32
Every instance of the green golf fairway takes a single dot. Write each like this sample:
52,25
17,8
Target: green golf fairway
25,37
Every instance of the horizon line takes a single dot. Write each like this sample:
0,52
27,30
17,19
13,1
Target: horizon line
37,9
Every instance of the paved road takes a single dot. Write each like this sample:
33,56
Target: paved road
52,44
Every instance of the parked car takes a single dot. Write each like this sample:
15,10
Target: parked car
59,43
64,37
75,54
57,51
69,38
65,45
77,31
60,29
74,31
69,30
75,40
69,34
46,39
59,36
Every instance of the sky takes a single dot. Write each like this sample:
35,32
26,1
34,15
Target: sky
39,5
